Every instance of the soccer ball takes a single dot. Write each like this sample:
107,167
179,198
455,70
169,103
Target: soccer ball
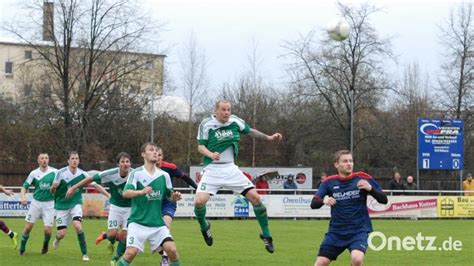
338,29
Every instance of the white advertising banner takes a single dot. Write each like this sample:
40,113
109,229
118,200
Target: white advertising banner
276,176
229,205
10,206
404,206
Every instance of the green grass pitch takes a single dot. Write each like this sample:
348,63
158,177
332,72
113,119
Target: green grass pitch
236,242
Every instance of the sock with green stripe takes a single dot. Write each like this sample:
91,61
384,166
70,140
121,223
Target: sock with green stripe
262,218
24,239
82,242
201,217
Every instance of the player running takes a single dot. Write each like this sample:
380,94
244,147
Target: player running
147,186
42,205
3,226
169,207
119,211
218,142
69,208
350,223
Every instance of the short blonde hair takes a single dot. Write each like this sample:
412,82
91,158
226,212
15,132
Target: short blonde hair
216,106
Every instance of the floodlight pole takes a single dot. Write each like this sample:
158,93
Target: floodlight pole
351,92
152,115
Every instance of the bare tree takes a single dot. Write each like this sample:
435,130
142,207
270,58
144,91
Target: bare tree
194,80
331,71
254,68
457,79
90,51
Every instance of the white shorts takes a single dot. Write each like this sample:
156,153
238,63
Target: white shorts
138,234
217,176
64,217
41,210
118,217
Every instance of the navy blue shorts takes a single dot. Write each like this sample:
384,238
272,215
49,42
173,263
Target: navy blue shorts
334,244
168,208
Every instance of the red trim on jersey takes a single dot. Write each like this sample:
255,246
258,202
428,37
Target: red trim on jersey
330,177
172,166
316,197
362,174
359,174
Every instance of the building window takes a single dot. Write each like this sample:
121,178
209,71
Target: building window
28,54
9,68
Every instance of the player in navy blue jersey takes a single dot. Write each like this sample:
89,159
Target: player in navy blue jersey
168,207
350,225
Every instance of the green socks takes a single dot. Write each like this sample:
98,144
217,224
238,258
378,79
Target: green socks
174,263
82,242
262,218
120,249
46,239
201,217
111,239
24,239
123,262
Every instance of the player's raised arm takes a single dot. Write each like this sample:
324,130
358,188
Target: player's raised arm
101,189
254,133
84,182
189,181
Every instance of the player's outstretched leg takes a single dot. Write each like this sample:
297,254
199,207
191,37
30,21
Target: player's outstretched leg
262,218
200,210
101,237
13,235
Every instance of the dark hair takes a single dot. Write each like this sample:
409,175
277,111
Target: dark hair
123,155
143,147
69,153
338,154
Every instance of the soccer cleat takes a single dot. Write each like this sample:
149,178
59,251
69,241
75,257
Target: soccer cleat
85,258
164,261
22,253
15,240
44,250
100,238
268,243
55,244
110,248
207,235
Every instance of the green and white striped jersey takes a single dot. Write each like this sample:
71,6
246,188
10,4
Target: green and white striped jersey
66,179
217,136
42,182
116,183
146,210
